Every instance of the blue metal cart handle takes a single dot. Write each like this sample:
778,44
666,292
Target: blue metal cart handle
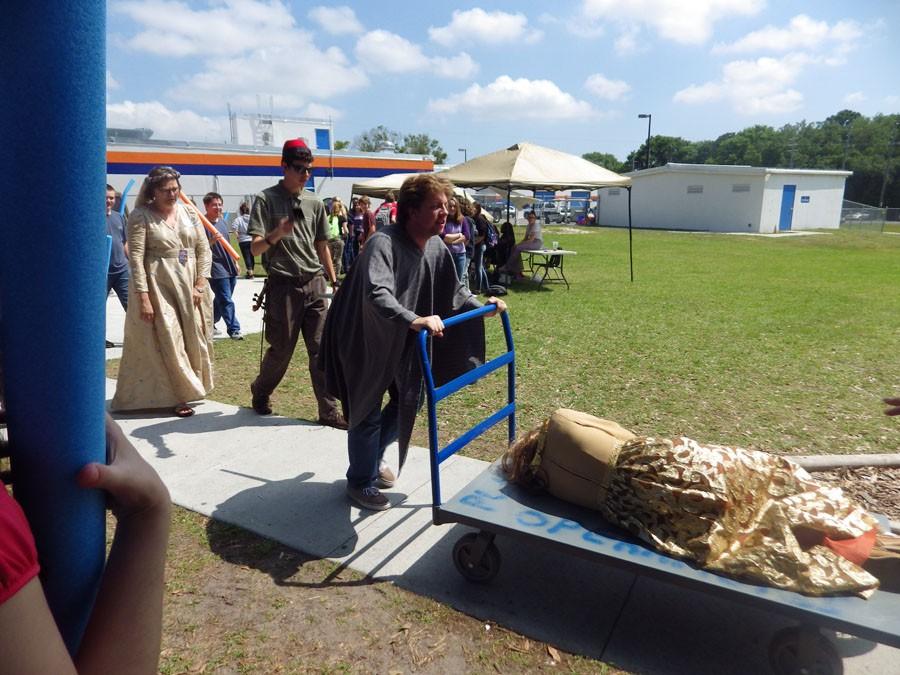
436,394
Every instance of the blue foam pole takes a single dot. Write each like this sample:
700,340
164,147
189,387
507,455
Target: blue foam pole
125,196
52,286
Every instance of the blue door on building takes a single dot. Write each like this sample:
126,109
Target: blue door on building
787,208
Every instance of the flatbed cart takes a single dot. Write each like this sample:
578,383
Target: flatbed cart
496,507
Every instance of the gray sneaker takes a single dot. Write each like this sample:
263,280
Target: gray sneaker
368,498
386,477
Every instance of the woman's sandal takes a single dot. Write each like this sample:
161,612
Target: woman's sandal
183,410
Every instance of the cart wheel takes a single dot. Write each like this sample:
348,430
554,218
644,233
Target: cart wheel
803,651
479,571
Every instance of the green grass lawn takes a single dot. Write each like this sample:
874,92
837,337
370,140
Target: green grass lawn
783,344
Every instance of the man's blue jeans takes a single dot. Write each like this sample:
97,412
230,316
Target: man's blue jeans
481,277
459,261
118,282
223,305
368,439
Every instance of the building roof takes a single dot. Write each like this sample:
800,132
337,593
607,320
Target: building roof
740,169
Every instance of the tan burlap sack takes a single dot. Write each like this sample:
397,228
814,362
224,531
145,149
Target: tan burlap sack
578,453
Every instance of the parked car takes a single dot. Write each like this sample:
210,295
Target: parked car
555,212
497,210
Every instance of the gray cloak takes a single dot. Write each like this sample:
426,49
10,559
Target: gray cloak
367,344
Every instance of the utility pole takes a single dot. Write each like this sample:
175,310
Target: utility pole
846,125
649,119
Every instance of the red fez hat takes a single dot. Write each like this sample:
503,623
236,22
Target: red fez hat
294,143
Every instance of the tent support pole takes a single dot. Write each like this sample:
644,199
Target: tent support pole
630,260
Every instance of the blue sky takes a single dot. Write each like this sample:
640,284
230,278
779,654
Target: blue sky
572,75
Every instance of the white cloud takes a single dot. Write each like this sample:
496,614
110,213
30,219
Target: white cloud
752,87
801,33
322,111
892,100
507,99
172,28
603,87
774,104
460,67
684,22
111,82
381,51
165,123
292,82
700,93
855,97
626,42
477,25
336,20
580,26
249,48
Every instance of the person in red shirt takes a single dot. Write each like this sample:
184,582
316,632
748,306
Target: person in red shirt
125,627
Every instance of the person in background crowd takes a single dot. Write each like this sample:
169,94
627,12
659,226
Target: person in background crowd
223,275
117,275
481,226
505,245
465,210
355,225
290,229
368,219
402,283
386,214
166,357
337,231
531,242
239,227
455,236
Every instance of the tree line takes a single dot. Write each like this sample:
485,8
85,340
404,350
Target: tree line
381,138
848,140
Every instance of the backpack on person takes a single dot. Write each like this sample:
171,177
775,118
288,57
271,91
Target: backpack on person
491,238
383,216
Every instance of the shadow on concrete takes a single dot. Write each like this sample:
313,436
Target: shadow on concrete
294,515
200,423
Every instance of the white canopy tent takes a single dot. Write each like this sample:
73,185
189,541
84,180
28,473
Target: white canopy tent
379,187
534,167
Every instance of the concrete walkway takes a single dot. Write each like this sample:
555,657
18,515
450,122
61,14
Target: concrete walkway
284,479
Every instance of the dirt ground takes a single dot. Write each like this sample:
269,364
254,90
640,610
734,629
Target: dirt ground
239,603
876,489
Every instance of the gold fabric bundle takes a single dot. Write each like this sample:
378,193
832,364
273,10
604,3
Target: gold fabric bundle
731,510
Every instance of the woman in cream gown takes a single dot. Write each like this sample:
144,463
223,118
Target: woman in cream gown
166,358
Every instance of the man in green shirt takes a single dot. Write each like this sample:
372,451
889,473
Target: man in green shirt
289,229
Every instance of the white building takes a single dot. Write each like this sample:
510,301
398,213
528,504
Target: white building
262,130
714,198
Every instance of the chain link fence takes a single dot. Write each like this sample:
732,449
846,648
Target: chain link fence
856,216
